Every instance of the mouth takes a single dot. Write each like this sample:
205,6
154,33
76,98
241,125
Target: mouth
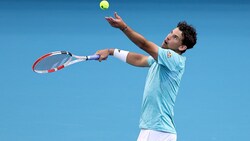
165,44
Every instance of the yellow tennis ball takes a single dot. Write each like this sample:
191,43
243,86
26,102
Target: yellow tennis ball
104,5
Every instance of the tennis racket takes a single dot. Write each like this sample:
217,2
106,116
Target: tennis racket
58,60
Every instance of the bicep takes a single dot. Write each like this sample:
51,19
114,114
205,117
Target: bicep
152,49
138,60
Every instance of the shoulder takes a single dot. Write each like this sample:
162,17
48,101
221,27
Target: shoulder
171,59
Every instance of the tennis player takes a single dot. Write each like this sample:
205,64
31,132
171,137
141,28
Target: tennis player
166,66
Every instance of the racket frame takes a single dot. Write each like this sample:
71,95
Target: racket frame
69,62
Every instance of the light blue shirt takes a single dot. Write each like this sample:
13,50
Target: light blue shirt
161,88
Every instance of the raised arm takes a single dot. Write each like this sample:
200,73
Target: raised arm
135,37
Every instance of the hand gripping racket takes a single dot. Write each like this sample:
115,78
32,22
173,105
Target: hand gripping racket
58,60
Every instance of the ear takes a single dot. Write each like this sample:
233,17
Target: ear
182,47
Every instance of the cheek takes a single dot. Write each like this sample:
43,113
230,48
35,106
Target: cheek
173,44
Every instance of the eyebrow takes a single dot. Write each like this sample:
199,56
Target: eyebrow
175,35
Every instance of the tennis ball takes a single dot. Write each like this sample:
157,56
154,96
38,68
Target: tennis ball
104,5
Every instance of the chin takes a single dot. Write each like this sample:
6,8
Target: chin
164,46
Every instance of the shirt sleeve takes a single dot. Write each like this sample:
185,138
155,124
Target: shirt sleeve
168,58
151,60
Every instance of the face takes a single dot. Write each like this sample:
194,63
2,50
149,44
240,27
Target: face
173,41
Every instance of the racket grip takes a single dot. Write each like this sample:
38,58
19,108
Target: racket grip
93,57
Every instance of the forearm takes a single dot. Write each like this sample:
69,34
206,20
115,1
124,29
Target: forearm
141,41
131,58
135,37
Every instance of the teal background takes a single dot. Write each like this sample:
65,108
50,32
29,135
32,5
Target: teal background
101,101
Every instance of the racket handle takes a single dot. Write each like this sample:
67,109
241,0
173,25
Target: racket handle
93,57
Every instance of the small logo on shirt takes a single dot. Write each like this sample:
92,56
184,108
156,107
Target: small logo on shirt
169,54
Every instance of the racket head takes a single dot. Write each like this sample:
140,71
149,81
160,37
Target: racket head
52,62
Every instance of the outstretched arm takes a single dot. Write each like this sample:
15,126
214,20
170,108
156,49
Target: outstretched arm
134,59
135,37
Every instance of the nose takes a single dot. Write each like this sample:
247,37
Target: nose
168,37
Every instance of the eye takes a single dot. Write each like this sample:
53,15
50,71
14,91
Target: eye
175,37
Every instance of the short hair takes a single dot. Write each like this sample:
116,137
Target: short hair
189,34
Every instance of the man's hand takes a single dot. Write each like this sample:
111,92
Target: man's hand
103,54
116,22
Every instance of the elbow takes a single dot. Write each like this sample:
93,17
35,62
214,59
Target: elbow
142,44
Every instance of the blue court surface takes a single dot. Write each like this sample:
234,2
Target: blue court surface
95,101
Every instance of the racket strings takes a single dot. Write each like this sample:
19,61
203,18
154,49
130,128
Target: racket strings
52,62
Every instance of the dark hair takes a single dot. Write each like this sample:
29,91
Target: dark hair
189,34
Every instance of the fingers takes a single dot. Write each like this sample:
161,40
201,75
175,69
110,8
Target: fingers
102,58
103,55
110,19
117,16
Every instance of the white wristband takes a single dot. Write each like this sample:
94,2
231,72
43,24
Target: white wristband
121,54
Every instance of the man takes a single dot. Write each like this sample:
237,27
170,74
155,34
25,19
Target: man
166,69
